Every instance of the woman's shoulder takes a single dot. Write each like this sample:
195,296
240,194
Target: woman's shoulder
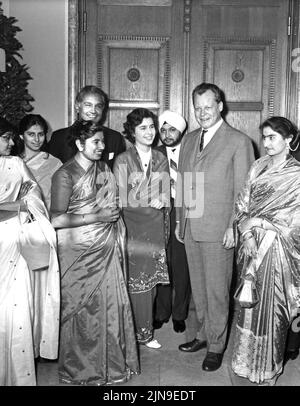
53,159
262,161
124,156
103,166
66,169
16,161
159,154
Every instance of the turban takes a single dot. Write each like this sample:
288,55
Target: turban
173,119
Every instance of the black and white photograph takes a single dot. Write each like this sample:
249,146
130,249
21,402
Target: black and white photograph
149,196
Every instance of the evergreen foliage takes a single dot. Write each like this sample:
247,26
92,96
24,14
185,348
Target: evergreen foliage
14,97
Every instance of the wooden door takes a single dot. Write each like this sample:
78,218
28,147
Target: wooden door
242,46
133,51
152,53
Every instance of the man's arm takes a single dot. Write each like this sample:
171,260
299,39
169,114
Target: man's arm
242,161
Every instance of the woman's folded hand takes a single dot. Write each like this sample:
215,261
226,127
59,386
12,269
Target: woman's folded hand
25,188
108,215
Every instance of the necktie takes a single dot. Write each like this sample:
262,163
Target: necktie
173,177
202,140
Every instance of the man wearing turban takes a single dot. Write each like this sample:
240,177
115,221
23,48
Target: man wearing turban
173,300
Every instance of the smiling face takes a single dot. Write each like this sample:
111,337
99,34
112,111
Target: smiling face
169,135
207,109
274,143
144,133
33,138
6,143
93,147
90,108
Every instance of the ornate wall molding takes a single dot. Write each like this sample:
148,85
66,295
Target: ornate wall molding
162,44
257,43
152,3
293,67
187,15
73,56
186,55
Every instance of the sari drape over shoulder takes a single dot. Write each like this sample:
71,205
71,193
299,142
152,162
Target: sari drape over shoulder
97,345
29,300
147,230
146,227
43,166
271,193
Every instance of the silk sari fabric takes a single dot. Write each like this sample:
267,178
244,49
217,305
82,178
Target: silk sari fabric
97,342
29,300
147,230
43,166
271,193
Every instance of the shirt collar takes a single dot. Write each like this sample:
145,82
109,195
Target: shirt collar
173,149
211,130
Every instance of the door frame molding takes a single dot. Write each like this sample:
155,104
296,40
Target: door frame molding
293,75
76,52
74,71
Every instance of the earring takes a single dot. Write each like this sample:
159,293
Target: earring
295,149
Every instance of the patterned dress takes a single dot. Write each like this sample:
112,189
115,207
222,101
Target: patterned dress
271,193
147,230
97,340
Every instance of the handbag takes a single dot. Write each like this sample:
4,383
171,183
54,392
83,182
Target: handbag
34,247
247,294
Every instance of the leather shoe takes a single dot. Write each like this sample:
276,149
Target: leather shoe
192,346
179,326
212,361
157,324
290,355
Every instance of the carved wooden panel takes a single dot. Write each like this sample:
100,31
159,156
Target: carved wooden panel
135,72
152,3
245,70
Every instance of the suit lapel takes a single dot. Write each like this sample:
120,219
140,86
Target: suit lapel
191,150
211,146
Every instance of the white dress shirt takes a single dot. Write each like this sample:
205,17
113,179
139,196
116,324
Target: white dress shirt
173,153
145,158
211,132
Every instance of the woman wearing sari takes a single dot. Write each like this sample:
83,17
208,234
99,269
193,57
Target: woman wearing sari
268,220
97,342
32,146
144,185
29,317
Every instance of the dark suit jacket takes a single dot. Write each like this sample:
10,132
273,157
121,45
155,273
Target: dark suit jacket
60,147
222,167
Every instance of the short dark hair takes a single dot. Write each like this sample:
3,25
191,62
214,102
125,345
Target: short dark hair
203,87
6,127
82,130
94,90
284,127
134,119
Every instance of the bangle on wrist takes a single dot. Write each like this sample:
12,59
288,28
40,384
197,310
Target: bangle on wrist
248,237
246,232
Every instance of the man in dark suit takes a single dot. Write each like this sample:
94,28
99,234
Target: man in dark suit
213,164
173,300
91,104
